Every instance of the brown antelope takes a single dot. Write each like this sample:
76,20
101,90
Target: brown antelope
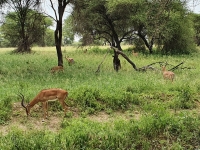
57,69
134,53
44,96
167,74
69,60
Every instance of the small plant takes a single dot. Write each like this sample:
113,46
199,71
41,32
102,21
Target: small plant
184,99
5,110
88,99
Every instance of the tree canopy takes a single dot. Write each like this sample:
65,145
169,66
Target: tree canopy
26,21
129,20
34,29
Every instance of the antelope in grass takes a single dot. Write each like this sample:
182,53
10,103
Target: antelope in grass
167,74
44,96
69,60
57,69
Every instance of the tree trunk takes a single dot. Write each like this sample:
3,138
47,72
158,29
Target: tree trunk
23,46
120,52
58,32
116,62
58,42
148,45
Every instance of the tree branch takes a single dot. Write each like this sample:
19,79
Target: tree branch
98,69
126,57
54,10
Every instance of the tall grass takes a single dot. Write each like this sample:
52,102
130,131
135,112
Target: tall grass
169,112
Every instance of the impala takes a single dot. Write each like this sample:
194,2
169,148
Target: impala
69,60
167,74
44,96
134,53
56,69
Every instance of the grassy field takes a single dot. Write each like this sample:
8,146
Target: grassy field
108,110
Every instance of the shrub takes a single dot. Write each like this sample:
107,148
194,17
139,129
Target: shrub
5,110
184,98
88,99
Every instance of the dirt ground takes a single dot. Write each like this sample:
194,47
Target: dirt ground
20,121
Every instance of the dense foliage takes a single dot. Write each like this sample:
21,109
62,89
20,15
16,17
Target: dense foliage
164,24
35,29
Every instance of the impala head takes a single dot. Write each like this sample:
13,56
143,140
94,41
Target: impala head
163,68
69,60
22,103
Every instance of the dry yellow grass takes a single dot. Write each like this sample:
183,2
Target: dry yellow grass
64,48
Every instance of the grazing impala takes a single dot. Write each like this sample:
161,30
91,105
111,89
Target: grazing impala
44,96
168,74
69,60
56,69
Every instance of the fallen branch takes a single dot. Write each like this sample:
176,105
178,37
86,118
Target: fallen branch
126,57
144,68
98,69
172,69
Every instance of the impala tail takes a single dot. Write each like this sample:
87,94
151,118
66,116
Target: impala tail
22,102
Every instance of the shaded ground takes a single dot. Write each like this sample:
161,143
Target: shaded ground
20,121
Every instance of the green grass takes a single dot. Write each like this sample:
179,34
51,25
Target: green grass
169,111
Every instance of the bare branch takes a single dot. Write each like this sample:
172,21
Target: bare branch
54,10
98,69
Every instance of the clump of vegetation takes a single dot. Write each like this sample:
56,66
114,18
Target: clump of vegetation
88,99
5,110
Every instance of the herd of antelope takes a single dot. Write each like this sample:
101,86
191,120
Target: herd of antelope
46,95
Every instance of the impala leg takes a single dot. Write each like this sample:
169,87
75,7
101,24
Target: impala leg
45,105
64,105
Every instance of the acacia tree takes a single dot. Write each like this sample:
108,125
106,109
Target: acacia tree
95,19
35,29
58,31
27,29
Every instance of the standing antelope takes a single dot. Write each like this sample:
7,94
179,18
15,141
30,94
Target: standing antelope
44,96
69,60
56,69
168,74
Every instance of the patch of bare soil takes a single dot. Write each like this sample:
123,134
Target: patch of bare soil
20,121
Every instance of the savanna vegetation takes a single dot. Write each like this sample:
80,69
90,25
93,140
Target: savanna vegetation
118,98
108,110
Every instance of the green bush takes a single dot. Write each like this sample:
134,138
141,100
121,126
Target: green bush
5,110
88,99
184,99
